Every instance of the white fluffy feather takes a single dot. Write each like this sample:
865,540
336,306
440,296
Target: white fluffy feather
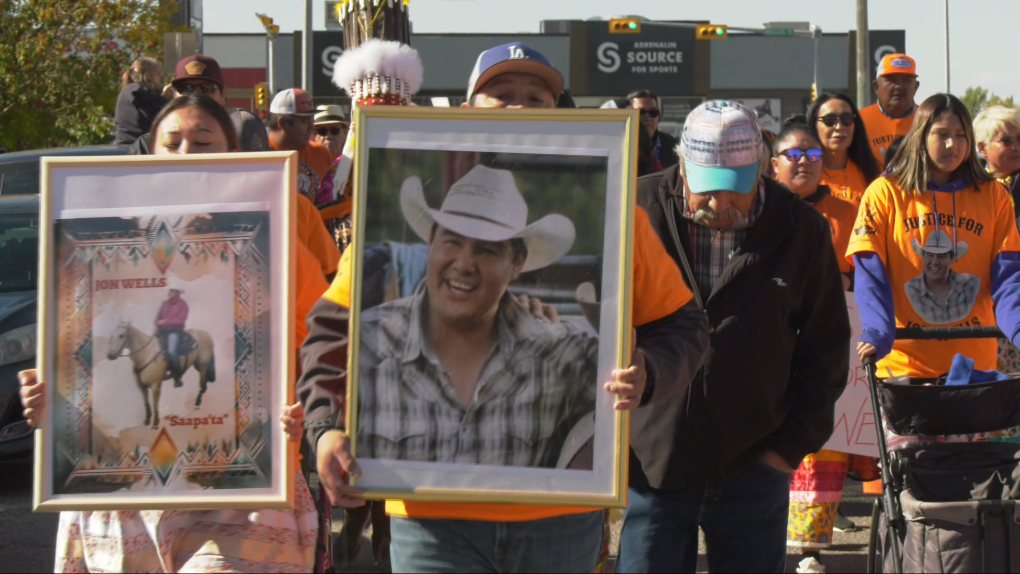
379,58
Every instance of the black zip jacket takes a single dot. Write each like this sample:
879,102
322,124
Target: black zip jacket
778,353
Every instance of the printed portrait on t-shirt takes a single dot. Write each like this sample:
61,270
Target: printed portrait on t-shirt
940,295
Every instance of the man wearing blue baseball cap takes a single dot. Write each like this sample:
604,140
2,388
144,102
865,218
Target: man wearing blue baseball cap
762,265
447,537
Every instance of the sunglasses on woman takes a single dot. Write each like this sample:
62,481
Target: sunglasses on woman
205,89
832,119
333,131
794,154
650,113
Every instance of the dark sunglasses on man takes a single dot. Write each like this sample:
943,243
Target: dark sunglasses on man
205,89
793,155
330,130
831,120
649,114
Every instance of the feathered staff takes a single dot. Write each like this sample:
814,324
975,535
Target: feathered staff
378,67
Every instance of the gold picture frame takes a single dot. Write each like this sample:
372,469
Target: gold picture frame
607,134
119,235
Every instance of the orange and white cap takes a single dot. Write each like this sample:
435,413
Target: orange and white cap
897,64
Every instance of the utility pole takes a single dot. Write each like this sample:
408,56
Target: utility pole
946,13
306,49
863,81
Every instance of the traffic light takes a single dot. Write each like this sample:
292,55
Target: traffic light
262,96
814,92
711,32
625,26
267,23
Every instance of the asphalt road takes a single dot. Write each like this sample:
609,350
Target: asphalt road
27,539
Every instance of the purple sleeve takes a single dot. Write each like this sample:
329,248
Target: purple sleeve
875,302
1006,293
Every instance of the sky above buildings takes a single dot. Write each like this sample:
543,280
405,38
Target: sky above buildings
983,39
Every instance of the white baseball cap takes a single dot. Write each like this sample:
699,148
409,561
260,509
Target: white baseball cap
292,102
721,147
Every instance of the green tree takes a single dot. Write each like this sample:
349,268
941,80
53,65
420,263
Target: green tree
978,98
61,63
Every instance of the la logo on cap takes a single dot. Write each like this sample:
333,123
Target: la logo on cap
517,53
195,68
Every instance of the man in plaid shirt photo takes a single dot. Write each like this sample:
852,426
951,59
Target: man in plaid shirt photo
461,371
940,295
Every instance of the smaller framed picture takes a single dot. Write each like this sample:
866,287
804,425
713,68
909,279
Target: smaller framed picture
491,301
165,332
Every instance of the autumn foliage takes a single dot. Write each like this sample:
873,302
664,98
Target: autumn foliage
61,63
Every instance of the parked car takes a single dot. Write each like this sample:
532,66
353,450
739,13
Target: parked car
19,269
19,171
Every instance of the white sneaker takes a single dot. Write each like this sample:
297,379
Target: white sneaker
809,565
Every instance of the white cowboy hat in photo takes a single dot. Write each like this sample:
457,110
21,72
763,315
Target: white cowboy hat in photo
485,204
175,286
939,242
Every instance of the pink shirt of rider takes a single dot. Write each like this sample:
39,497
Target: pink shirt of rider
173,313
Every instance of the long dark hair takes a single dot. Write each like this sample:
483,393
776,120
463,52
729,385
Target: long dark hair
859,151
201,102
910,167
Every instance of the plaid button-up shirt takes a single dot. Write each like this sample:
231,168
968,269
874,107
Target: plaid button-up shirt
963,290
712,249
539,380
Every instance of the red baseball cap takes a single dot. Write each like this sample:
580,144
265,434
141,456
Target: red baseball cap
292,102
198,67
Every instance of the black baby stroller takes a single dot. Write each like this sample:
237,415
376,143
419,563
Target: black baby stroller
950,493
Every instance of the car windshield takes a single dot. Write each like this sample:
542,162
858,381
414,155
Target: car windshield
19,252
19,178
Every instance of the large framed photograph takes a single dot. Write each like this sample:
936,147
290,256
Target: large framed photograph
165,332
490,303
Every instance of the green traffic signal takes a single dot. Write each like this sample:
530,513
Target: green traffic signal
632,25
719,31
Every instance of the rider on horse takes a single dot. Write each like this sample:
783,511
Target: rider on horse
173,313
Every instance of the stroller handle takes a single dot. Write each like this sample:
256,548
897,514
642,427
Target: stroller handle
947,333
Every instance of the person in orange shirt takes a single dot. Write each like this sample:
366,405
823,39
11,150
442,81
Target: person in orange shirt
848,166
290,129
891,116
936,244
445,537
193,540
816,487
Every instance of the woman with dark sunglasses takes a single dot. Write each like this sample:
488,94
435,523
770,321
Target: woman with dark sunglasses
816,487
848,166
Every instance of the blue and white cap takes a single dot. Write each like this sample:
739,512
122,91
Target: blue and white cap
721,148
514,57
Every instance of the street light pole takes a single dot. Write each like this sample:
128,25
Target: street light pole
306,49
946,14
271,31
270,75
863,92
816,33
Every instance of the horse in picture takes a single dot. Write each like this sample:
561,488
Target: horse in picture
150,363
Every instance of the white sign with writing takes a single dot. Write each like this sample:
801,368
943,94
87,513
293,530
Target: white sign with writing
854,431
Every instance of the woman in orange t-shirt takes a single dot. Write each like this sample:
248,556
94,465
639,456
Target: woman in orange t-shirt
848,166
936,244
816,487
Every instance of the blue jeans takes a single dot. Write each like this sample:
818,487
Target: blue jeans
744,524
560,544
